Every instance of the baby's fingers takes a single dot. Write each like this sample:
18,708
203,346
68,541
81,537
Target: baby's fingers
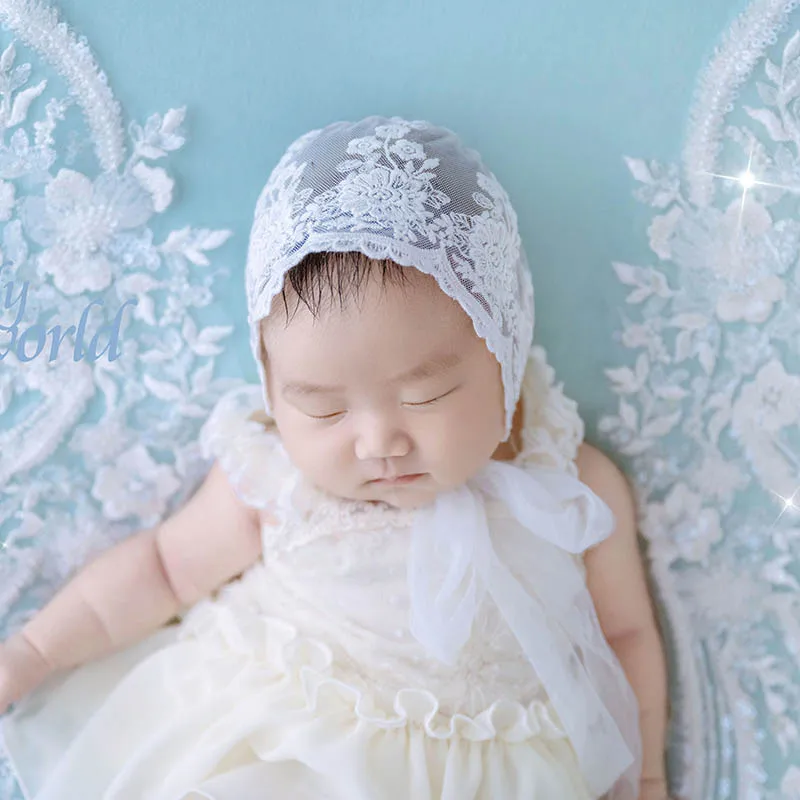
8,685
22,669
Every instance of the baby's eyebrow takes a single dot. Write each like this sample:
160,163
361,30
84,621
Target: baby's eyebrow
441,362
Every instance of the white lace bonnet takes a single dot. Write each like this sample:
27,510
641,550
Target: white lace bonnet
410,192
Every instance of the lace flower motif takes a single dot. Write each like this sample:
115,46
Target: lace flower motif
77,221
681,527
144,495
770,402
744,251
383,189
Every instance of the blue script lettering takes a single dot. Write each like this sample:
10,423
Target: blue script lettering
113,336
22,299
37,332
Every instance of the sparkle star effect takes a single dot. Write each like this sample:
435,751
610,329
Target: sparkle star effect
789,504
749,180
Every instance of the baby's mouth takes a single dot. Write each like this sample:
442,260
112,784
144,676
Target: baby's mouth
399,480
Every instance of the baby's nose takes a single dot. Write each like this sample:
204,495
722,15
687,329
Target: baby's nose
381,438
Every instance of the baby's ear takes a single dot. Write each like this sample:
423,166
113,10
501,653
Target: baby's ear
510,448
517,424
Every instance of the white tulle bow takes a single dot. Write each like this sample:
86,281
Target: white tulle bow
453,565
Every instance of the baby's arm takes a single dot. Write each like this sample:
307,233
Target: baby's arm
616,580
139,584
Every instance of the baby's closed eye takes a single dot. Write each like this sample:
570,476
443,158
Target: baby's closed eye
332,415
434,399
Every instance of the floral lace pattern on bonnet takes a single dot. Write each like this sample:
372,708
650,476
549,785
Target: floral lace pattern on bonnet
408,191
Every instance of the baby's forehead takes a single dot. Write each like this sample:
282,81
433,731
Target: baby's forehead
359,345
403,306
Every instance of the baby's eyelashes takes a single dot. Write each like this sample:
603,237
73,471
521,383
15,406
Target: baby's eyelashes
336,414
326,416
435,399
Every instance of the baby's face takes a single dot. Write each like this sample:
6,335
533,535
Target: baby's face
396,384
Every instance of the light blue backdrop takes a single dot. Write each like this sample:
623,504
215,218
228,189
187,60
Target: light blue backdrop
554,95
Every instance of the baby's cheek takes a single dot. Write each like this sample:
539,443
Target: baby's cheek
458,450
305,446
329,460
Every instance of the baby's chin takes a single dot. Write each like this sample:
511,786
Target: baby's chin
406,500
406,496
409,496
419,494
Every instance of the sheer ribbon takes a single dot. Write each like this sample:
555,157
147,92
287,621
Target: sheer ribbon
453,565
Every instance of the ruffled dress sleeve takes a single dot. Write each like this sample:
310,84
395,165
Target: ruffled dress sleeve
552,430
245,442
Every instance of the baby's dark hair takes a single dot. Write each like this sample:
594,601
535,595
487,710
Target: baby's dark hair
339,275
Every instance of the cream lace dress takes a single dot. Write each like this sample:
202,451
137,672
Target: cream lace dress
301,679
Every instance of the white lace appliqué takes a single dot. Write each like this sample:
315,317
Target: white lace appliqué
90,451
709,409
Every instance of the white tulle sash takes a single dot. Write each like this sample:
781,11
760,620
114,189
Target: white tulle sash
453,564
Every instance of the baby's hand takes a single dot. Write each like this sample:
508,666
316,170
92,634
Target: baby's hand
22,669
